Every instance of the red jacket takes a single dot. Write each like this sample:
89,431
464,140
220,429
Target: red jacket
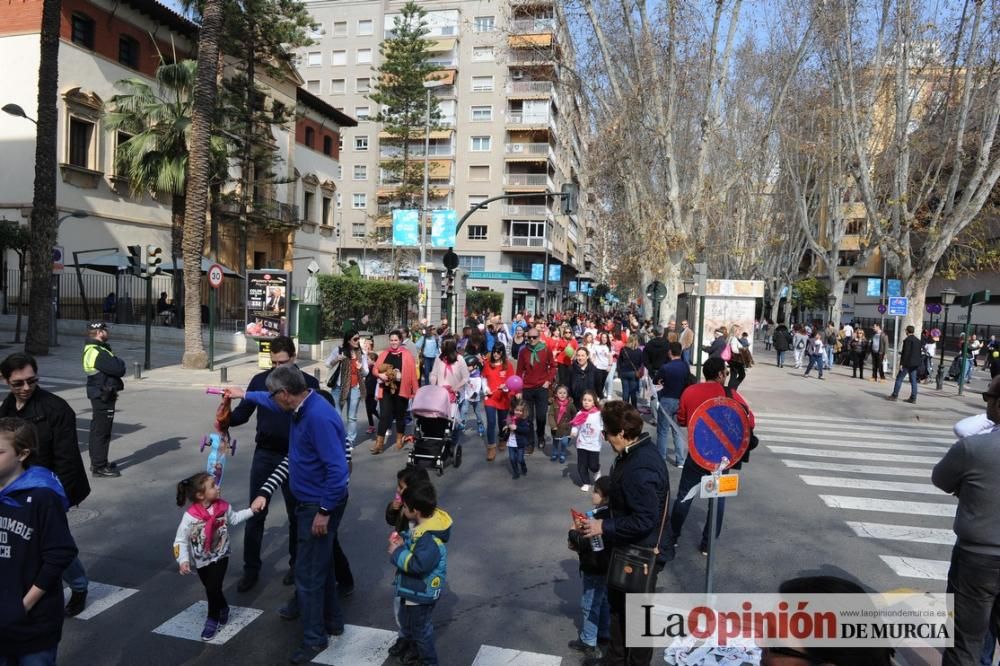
559,351
696,394
495,377
535,375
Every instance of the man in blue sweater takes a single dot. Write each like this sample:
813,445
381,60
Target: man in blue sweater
272,447
318,478
671,379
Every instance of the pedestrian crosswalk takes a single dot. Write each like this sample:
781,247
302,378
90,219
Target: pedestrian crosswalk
875,473
357,646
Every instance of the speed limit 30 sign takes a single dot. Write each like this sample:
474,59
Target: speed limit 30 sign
215,276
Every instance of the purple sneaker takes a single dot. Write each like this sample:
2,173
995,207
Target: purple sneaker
224,616
210,630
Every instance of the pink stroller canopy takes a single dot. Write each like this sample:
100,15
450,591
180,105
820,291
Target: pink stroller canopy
432,401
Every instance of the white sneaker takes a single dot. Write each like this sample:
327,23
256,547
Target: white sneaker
585,487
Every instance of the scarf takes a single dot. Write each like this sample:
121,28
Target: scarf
534,351
561,408
581,416
200,512
34,477
399,350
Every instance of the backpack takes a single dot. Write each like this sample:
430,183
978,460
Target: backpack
727,352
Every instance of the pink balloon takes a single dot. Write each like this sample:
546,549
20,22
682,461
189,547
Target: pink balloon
515,384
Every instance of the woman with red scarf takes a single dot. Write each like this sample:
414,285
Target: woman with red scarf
451,372
394,396
495,373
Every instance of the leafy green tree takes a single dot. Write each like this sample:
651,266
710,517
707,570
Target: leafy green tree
399,90
810,293
155,158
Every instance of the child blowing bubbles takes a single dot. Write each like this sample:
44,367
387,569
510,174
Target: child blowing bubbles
35,547
204,536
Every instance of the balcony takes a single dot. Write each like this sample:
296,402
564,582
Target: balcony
532,242
523,55
528,180
532,26
270,210
528,119
390,152
537,150
526,211
539,88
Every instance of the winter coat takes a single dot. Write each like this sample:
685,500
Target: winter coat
782,340
637,499
581,380
422,561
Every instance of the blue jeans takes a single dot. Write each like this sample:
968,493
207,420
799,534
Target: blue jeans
516,457
315,580
477,411
493,417
76,576
912,372
781,358
630,389
596,611
425,376
350,419
829,356
691,477
43,658
664,426
817,360
264,463
686,355
559,445
417,627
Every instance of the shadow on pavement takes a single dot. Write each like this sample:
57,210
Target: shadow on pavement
148,452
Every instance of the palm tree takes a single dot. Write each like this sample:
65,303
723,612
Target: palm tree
155,158
199,171
44,229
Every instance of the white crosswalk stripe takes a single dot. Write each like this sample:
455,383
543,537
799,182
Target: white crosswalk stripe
188,623
358,646
100,597
844,460
494,656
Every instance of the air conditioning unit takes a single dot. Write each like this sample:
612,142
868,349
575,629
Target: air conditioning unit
517,75
517,148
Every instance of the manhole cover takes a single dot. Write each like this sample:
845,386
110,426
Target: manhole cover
78,516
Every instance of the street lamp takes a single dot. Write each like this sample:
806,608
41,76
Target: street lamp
16,110
831,300
947,300
428,86
53,327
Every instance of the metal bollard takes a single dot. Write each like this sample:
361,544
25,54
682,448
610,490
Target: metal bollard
137,370
223,374
316,373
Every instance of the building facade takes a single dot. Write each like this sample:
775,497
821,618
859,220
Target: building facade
510,126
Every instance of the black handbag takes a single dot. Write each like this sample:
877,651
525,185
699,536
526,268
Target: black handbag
632,568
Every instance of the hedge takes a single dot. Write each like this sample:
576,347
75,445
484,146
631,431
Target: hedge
481,301
342,299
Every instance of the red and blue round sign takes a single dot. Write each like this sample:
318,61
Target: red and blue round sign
719,428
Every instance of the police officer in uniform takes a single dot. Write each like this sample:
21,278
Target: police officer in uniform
104,381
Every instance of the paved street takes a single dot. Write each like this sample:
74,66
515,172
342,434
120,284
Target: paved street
840,484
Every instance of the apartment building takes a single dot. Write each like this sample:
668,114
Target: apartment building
106,41
509,125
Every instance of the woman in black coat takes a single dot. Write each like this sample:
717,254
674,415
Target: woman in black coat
583,376
782,343
718,344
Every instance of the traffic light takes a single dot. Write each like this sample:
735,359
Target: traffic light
570,192
154,257
135,259
448,284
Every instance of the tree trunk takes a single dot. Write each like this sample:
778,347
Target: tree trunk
916,292
20,295
176,252
44,224
199,166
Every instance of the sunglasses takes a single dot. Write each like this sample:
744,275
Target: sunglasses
532,337
30,381
987,396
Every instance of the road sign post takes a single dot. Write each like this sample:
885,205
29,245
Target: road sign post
898,307
968,302
215,275
718,436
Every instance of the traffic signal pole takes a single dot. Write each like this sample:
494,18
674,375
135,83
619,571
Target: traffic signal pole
149,320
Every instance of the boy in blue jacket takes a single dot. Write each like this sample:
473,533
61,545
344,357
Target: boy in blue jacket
420,557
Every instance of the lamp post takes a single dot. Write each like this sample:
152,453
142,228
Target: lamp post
53,327
428,86
947,299
698,287
16,110
831,300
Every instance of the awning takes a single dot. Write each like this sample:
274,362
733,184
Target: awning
441,46
440,170
527,158
528,41
444,77
435,134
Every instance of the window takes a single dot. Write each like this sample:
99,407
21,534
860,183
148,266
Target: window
359,200
83,30
522,264
339,58
325,219
482,83
361,142
481,144
128,52
363,85
364,56
366,27
482,53
314,58
338,86
482,113
307,206
327,145
477,232
362,112
340,28
81,143
483,24
310,137
340,144
313,86
358,230
120,139
360,172
472,263
478,198
479,172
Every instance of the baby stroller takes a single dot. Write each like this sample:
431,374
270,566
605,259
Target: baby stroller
435,414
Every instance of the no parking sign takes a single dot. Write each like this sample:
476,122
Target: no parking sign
719,428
